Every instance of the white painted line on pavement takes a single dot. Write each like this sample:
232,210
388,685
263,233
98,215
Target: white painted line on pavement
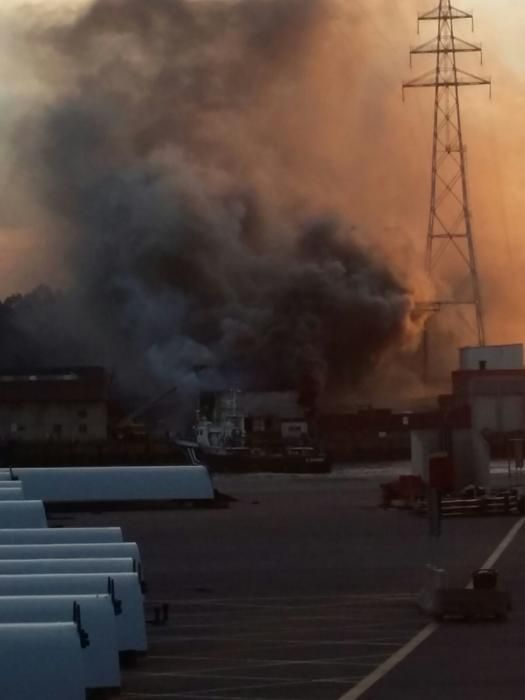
262,601
496,554
361,641
390,663
381,671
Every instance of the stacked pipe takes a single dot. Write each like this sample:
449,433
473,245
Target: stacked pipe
68,594
117,487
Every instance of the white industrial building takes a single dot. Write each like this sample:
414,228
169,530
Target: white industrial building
491,357
485,410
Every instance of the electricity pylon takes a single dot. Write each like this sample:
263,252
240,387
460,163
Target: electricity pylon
450,254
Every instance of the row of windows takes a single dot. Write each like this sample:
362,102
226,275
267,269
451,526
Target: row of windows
56,429
15,408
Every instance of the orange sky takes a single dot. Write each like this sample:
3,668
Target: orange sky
386,140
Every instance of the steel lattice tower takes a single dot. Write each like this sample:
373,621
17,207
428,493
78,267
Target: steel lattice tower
450,254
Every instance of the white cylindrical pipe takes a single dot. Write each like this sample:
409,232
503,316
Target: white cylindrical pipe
100,657
11,494
56,535
22,514
131,628
117,484
67,566
73,550
41,660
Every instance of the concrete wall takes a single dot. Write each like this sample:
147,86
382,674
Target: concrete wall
44,421
423,443
498,413
471,456
481,450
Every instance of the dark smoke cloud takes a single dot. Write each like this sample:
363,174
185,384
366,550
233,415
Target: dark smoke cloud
193,255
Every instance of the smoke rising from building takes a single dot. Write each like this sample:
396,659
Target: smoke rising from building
182,166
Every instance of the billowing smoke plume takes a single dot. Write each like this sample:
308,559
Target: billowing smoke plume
172,165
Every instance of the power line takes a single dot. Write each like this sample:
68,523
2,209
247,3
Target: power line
450,243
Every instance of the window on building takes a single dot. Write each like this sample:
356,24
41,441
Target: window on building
57,429
82,428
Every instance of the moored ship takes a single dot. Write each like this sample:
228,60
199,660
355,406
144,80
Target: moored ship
264,432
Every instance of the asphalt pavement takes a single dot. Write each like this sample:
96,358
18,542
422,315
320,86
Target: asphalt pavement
304,586
481,660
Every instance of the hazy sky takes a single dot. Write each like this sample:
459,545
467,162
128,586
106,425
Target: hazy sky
494,130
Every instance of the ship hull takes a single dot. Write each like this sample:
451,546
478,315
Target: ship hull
245,462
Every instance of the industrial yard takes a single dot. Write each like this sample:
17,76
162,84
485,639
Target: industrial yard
304,586
262,381
274,585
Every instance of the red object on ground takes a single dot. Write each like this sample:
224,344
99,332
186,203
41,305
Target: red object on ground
411,487
407,488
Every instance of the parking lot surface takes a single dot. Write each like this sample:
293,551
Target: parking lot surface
299,589
271,648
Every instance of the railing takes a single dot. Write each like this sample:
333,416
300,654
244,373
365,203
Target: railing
508,503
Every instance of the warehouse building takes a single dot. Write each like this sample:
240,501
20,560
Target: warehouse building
55,405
